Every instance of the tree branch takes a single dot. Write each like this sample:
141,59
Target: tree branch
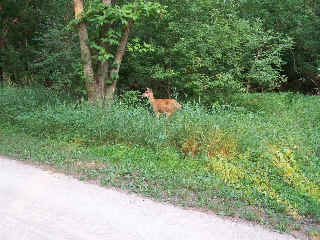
85,51
118,59
122,46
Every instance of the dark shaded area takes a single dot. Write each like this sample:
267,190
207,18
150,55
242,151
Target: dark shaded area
199,51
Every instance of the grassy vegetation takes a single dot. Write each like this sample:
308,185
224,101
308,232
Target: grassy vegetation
257,158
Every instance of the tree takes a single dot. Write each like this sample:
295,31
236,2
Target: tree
19,21
104,27
206,51
298,19
56,60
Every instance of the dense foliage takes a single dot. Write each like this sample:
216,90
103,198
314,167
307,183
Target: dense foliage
200,49
205,52
19,21
297,19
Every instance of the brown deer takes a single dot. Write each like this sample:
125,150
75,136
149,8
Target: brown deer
168,106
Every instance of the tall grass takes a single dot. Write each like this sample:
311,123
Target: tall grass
262,150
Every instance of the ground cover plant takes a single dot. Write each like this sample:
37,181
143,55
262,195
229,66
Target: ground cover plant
256,157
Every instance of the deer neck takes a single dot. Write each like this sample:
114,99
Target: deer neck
151,98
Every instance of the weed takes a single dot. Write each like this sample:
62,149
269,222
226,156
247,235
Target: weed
260,152
314,232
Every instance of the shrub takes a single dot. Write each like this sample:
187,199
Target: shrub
262,149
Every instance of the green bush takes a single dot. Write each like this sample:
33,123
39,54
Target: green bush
206,52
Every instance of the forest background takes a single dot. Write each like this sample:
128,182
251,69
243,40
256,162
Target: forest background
195,49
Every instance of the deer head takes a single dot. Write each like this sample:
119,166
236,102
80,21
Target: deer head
148,93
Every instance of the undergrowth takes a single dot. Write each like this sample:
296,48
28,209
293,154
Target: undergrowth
260,153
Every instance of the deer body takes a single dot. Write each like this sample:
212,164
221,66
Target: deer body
168,106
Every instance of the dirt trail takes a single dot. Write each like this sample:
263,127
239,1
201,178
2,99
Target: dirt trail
40,205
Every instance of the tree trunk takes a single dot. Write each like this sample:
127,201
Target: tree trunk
101,76
113,75
103,67
85,53
102,85
110,90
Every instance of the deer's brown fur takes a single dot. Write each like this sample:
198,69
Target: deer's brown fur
168,106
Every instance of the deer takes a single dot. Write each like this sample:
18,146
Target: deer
167,106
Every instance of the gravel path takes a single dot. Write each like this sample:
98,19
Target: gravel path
40,205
